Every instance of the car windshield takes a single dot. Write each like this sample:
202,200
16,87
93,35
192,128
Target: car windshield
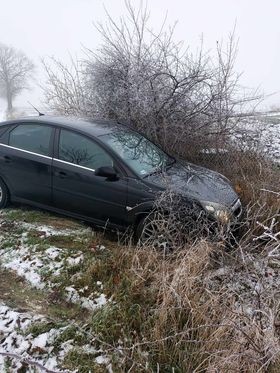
139,153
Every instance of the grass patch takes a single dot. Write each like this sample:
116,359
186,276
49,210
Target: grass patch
26,215
16,293
32,215
71,242
71,333
8,365
39,328
84,362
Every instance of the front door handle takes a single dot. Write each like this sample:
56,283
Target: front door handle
6,159
61,174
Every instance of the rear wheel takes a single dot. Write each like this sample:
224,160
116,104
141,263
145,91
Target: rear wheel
4,195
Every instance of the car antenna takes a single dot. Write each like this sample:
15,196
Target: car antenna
40,114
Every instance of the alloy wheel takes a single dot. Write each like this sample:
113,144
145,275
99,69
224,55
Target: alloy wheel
160,233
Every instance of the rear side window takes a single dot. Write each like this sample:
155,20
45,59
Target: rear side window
32,137
80,150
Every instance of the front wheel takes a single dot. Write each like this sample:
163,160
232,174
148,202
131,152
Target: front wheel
158,231
4,195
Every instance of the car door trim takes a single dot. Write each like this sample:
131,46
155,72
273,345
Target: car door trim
26,151
74,164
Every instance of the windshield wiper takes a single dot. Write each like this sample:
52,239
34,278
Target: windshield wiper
161,169
155,171
171,163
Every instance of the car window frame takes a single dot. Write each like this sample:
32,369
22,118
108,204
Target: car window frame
7,134
117,164
3,130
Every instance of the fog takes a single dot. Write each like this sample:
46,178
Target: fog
43,28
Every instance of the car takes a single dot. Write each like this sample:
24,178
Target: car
102,172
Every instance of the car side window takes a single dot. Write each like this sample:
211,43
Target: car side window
80,150
3,134
32,137
3,129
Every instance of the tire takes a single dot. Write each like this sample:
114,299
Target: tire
168,232
4,195
153,231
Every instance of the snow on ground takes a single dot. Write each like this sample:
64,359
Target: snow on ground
38,266
40,352
13,341
24,250
47,231
90,302
261,132
29,263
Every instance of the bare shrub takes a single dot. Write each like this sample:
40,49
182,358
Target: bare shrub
250,172
174,222
153,82
64,90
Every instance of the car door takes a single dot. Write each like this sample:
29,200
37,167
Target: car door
77,189
26,160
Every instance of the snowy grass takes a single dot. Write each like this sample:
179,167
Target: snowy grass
30,254
261,133
49,254
32,343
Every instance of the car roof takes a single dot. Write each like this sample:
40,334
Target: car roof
95,127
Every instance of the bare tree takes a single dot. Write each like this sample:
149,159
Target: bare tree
65,89
15,70
152,81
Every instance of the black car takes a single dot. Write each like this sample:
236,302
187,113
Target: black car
100,171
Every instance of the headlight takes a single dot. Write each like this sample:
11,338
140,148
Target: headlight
218,211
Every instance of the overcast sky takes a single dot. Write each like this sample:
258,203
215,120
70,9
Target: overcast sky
59,27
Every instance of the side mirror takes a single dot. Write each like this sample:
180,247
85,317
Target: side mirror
108,172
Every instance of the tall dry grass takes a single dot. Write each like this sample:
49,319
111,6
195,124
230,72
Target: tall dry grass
199,323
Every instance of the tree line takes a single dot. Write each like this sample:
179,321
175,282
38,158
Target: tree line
15,71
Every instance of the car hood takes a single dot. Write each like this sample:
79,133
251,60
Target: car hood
196,182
